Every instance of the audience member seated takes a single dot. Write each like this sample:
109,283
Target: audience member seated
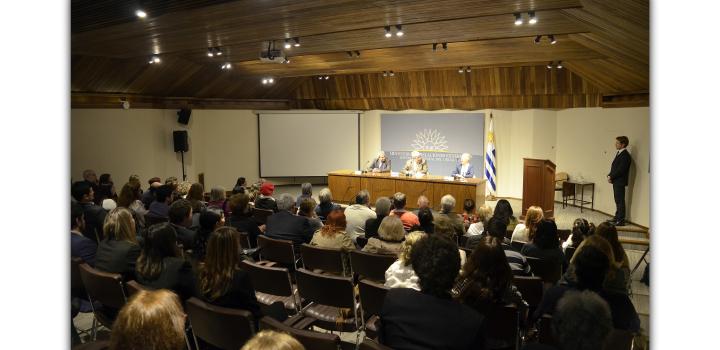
546,244
619,266
590,267
615,281
389,239
484,214
409,220
91,179
401,274
423,202
307,209
80,246
242,217
150,320
445,228
430,318
382,210
217,201
180,214
580,230
106,188
447,205
239,186
326,204
357,214
209,222
160,207
197,202
183,189
265,199
425,216
334,235
526,232
94,214
271,340
286,225
582,320
119,249
161,266
130,198
220,280
305,192
518,263
469,216
503,209
149,196
486,282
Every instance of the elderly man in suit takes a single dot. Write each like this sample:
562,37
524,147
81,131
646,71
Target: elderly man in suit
381,164
415,165
618,177
464,169
286,225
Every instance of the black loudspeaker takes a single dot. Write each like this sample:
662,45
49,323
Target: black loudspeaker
180,140
184,116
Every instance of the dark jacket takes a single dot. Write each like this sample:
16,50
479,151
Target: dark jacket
241,295
176,275
323,209
555,255
620,168
246,223
414,320
117,257
283,225
94,219
371,226
83,247
267,203
159,210
185,236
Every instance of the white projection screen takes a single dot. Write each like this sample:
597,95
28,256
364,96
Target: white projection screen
294,144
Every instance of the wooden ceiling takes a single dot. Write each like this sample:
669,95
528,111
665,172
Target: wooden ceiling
603,45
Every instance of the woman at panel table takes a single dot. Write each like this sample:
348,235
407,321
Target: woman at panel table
381,164
464,169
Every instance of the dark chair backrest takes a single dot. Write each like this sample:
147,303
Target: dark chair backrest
133,287
371,265
462,240
222,327
505,324
564,234
517,245
325,259
619,339
569,252
549,271
309,339
76,284
369,344
260,215
277,250
545,332
106,288
326,290
372,297
245,240
152,220
531,289
269,280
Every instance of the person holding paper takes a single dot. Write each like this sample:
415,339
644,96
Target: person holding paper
464,169
415,165
381,164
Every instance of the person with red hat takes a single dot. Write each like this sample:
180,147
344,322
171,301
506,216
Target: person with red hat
265,199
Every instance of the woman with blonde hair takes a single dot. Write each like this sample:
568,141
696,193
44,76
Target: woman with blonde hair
620,265
526,232
271,340
389,239
484,214
401,274
119,249
150,320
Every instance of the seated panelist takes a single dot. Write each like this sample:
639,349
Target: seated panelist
464,169
381,164
415,165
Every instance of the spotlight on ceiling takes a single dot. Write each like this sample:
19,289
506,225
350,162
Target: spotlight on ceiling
444,46
468,69
392,74
537,39
387,32
327,77
533,19
264,81
349,53
552,39
218,52
320,78
559,65
518,19
399,30
385,73
140,13
434,47
156,59
226,66
271,80
297,41
461,70
287,44
211,53
357,53
549,65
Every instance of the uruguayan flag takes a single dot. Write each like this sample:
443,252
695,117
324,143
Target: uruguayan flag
490,164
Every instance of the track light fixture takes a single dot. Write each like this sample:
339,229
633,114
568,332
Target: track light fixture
267,81
464,70
210,53
434,47
287,60
385,73
327,77
399,30
552,39
357,53
388,73
154,59
387,32
214,51
532,19
353,53
559,65
537,39
226,66
349,53
444,46
140,13
549,65
518,19
392,74
287,44
296,41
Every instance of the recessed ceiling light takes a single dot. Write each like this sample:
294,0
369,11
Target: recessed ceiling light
140,13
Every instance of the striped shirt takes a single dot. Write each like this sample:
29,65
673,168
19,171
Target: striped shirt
517,261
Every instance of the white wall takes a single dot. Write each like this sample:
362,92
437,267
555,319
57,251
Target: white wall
224,146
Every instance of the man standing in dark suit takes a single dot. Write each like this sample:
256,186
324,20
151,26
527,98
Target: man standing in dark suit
618,177
286,225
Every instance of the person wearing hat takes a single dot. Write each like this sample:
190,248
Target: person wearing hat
265,200
416,165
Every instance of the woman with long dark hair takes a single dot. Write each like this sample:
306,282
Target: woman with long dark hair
161,266
620,266
546,244
503,209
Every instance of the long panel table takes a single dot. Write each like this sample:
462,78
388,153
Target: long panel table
345,184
